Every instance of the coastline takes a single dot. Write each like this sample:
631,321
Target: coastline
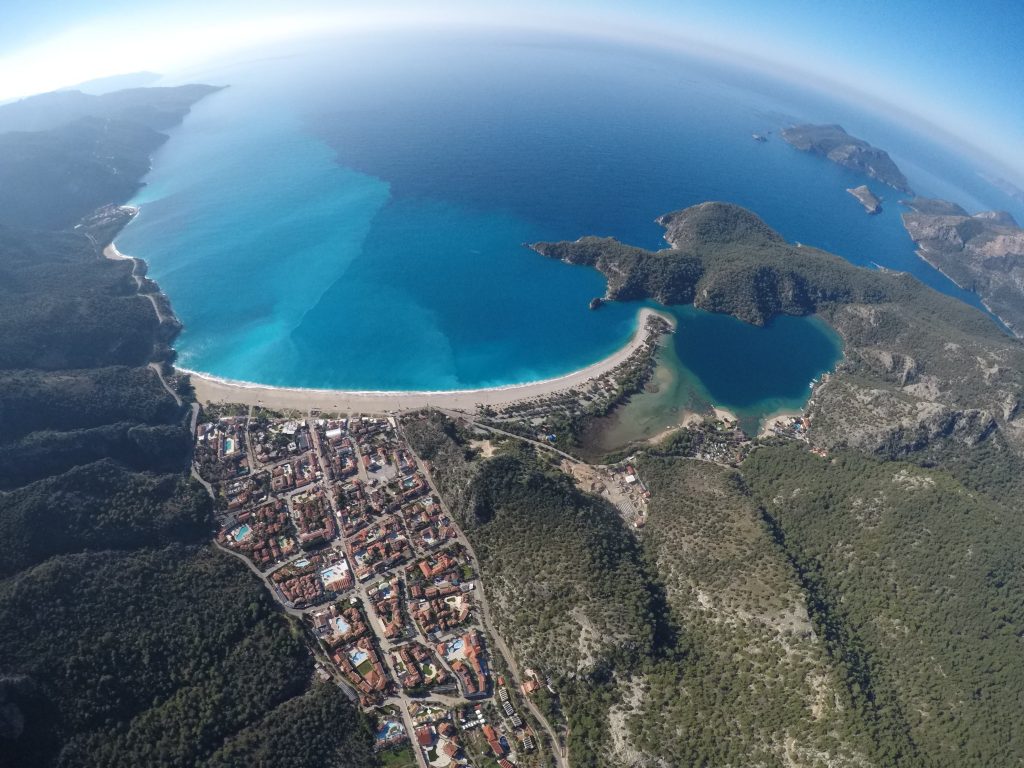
111,252
768,421
212,389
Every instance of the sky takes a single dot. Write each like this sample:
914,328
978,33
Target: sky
955,66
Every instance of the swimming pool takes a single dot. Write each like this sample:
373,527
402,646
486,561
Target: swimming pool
390,730
334,573
241,532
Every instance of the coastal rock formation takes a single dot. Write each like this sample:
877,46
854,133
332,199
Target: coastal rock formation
841,148
983,253
867,198
920,368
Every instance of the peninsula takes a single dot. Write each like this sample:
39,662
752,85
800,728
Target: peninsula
914,359
921,434
834,143
983,253
867,198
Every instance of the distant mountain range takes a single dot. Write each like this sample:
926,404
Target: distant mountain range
64,154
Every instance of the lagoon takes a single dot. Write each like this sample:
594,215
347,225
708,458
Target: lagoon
353,216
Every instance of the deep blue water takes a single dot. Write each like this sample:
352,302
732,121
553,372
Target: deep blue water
353,217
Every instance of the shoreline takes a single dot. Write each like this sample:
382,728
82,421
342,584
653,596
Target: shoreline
214,389
111,252
769,420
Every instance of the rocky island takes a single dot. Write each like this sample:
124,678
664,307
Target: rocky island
983,253
834,143
867,198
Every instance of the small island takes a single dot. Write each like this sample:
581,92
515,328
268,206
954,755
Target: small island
596,303
759,137
834,143
867,198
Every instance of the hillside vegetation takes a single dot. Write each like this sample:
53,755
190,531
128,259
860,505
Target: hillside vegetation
691,645
917,583
566,582
751,682
125,639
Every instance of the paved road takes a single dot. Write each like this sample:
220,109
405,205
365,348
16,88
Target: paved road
158,369
469,419
558,750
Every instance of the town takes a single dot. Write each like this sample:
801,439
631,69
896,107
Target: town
340,521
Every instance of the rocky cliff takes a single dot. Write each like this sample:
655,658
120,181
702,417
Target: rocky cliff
983,253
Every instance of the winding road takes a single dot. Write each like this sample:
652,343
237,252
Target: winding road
558,750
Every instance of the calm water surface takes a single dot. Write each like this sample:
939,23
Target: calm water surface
354,217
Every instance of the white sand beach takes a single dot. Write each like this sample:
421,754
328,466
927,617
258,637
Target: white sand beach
210,389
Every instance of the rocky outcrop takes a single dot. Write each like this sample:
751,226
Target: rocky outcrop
841,148
983,253
909,380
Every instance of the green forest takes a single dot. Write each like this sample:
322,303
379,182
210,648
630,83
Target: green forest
858,606
849,610
917,584
127,639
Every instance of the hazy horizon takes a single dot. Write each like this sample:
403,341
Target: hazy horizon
871,59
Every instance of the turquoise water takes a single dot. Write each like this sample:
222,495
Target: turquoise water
330,574
719,360
354,217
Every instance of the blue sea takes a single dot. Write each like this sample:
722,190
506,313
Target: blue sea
351,214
